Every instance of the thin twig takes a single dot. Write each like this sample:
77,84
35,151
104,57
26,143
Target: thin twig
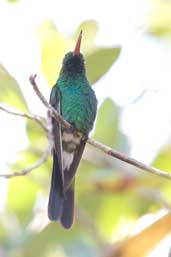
97,144
29,169
47,152
127,159
33,117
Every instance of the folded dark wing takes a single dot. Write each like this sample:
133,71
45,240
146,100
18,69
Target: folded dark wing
57,180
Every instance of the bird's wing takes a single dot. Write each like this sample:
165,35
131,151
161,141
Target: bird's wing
55,102
57,180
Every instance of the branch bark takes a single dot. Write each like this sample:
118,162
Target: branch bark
125,158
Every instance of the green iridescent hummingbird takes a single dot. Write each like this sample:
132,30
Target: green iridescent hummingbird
73,97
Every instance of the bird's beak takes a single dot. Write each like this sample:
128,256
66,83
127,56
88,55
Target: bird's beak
78,44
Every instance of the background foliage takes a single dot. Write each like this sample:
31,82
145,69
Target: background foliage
110,195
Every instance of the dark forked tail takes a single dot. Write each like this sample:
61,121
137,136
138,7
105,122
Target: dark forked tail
61,205
67,216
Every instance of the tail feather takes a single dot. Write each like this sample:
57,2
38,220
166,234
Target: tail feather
68,208
56,196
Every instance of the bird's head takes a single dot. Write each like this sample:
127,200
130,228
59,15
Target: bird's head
73,62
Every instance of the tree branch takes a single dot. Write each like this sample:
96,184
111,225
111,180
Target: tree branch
125,158
97,144
35,166
33,117
48,129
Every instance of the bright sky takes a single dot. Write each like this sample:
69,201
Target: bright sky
144,64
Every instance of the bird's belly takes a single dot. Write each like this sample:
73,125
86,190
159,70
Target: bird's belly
70,142
67,160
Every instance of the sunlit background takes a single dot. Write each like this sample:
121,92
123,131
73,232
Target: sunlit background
138,82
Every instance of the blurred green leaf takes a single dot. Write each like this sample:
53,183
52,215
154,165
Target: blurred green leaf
23,190
106,129
160,19
21,196
108,211
108,132
41,175
99,62
90,29
111,212
3,232
54,46
10,90
13,1
162,160
71,241
36,135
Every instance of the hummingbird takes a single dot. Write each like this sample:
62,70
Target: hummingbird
73,97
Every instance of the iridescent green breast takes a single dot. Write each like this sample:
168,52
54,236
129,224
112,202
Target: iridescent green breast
78,103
